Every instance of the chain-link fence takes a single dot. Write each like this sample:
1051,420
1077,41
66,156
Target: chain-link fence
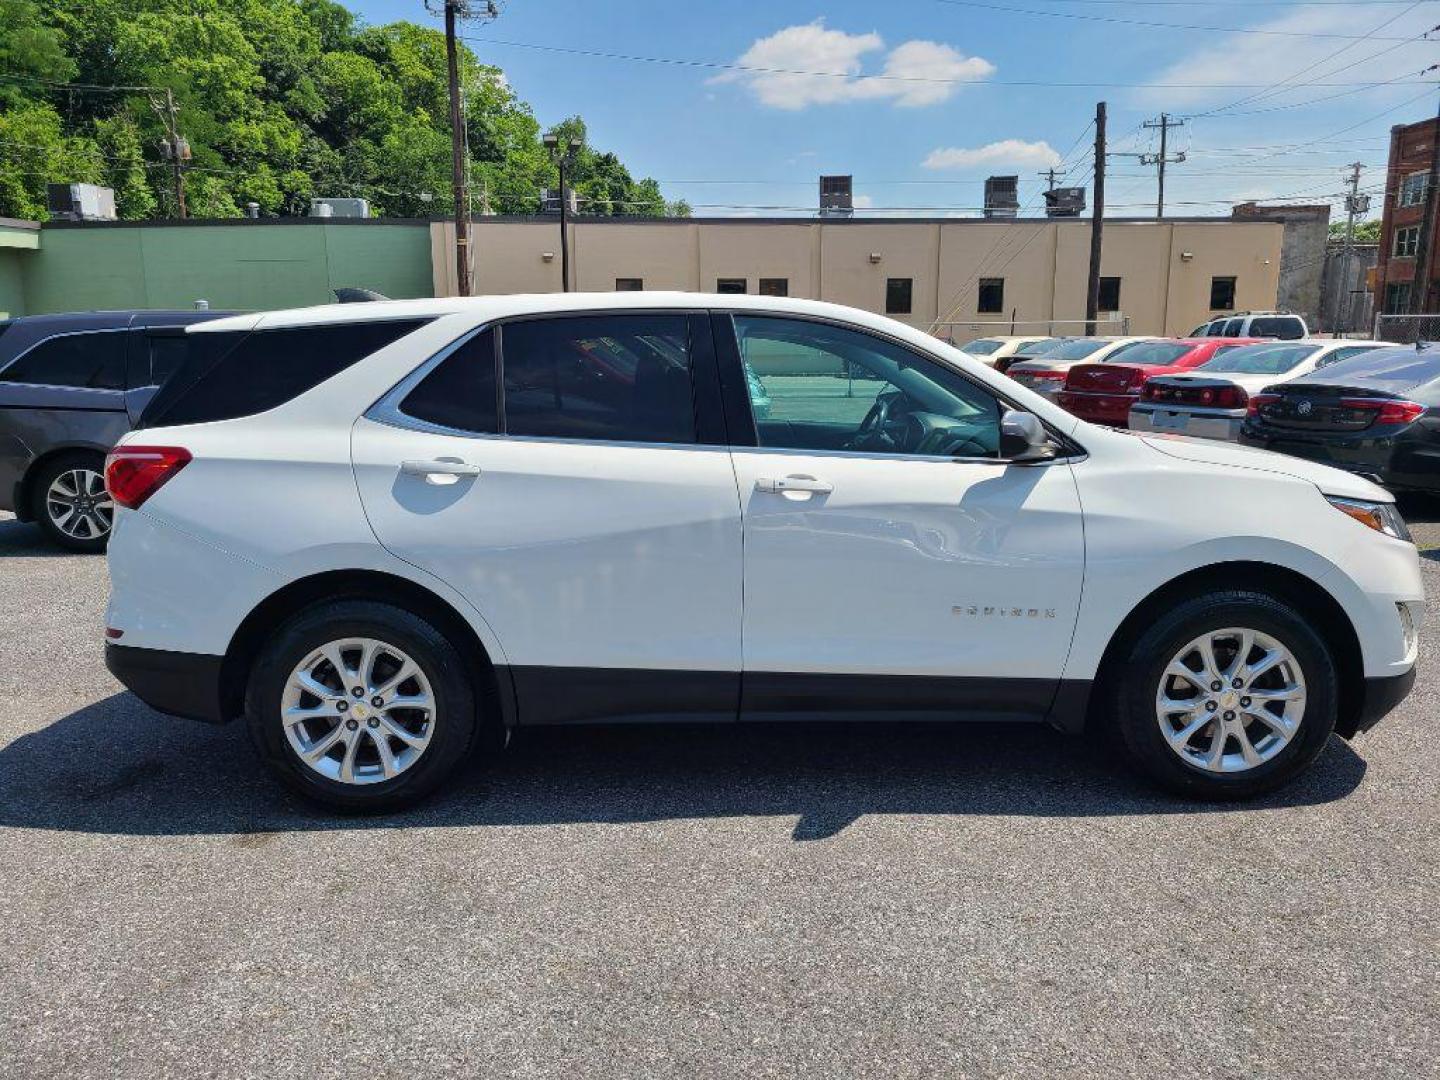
1407,329
968,330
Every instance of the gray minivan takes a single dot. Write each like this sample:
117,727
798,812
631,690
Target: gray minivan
70,386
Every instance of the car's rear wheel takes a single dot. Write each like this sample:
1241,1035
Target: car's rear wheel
361,706
1225,696
69,501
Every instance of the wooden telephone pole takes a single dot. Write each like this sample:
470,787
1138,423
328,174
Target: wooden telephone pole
456,10
1097,224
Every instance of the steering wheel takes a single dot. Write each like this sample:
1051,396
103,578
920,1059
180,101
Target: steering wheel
872,433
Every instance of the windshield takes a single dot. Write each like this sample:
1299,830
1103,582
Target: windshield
982,346
1259,359
1150,352
1074,349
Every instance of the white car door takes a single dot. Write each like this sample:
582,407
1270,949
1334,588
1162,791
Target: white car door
893,563
580,500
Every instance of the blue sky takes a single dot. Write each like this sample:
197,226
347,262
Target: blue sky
948,111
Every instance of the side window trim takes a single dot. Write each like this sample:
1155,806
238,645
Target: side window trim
737,397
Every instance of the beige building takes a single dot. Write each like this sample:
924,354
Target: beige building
973,275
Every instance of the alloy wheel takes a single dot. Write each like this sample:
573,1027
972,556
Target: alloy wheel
358,711
1230,700
78,504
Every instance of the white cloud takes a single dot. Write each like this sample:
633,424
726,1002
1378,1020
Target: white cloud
1011,152
811,64
863,202
1240,61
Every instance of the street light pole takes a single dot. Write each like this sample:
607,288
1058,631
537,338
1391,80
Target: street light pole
561,156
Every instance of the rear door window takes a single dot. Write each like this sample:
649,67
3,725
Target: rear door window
228,374
93,360
623,378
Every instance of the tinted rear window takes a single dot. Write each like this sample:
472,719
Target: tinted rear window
982,346
95,360
1285,327
460,391
1150,352
1076,349
1260,359
1397,370
228,374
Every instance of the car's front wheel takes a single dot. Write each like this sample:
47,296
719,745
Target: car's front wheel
69,501
1225,696
361,706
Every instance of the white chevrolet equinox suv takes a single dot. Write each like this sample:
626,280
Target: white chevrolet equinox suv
385,532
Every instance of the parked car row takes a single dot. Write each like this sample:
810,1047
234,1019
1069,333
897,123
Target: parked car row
1372,407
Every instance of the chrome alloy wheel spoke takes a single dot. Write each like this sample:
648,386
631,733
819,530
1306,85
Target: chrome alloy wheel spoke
1230,700
358,711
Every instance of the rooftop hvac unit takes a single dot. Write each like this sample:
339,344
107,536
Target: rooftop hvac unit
837,196
1002,196
80,202
346,208
550,201
1064,202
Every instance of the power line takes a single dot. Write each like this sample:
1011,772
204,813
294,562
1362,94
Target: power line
1166,25
754,69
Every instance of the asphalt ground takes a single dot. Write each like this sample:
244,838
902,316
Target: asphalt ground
792,901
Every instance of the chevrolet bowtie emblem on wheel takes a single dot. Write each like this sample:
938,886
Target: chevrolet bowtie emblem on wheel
1304,408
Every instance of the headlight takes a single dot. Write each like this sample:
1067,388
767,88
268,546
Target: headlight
1380,516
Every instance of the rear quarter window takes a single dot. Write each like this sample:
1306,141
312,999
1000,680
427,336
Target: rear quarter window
229,374
94,360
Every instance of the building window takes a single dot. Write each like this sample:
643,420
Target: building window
774,286
1109,294
992,295
898,292
730,285
629,284
1222,294
1397,297
1407,240
1412,188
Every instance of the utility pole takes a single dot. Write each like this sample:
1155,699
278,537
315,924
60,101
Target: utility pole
454,11
457,156
1425,251
1097,224
1050,174
1160,159
175,148
1355,204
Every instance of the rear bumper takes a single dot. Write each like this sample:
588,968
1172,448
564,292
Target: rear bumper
1396,462
1112,409
176,683
1381,696
1201,423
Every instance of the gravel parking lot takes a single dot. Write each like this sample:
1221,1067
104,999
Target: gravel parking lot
815,901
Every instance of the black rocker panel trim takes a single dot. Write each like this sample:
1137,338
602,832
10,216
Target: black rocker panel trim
569,695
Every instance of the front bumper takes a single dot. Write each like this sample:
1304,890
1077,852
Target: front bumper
1200,422
1381,696
1112,409
176,683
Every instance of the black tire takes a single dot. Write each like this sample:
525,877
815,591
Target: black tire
40,508
1135,676
455,721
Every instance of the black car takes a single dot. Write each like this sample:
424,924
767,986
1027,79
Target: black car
1377,414
70,386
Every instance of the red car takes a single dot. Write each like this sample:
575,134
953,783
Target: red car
1103,393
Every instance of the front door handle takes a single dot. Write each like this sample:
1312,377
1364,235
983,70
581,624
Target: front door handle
440,470
795,482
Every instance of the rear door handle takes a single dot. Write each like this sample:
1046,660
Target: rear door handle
440,470
796,482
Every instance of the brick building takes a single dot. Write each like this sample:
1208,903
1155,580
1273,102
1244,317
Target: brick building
1411,150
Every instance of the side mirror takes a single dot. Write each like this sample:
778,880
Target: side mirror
1023,438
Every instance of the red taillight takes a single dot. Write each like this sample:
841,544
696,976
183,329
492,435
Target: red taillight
1259,401
1045,374
1387,411
134,473
1231,397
